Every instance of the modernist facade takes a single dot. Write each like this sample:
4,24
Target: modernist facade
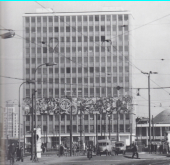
10,124
92,51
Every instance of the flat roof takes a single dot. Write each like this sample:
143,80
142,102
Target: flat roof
77,13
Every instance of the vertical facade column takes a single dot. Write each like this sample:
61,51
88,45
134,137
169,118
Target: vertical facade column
160,132
147,136
59,127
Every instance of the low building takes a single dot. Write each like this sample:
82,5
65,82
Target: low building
159,125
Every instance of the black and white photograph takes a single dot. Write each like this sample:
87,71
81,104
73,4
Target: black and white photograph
85,82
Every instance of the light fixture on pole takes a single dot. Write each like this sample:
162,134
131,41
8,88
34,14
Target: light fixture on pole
29,82
7,35
149,106
47,65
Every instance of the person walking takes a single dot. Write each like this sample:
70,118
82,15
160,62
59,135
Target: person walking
135,151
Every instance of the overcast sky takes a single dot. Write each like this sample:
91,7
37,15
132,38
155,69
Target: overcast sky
151,43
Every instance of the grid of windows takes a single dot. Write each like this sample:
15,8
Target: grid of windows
87,53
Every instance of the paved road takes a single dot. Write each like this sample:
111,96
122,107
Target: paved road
145,159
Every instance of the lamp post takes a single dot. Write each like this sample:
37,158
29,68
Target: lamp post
149,106
47,65
130,124
109,115
29,82
7,35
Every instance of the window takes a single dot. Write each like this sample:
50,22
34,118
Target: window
67,70
96,48
114,27
91,69
96,28
103,69
102,28
127,116
91,28
61,29
56,29
121,116
79,19
126,17
121,128
85,38
96,18
108,17
85,18
120,17
102,38
73,18
97,80
73,39
85,80
127,128
79,70
86,117
44,49
90,18
73,70
91,128
67,28
50,118
62,117
85,28
27,118
79,39
67,49
103,79
96,38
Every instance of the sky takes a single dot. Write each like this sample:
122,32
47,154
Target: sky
150,34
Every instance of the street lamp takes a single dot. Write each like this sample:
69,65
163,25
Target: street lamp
109,116
7,35
149,106
29,82
47,65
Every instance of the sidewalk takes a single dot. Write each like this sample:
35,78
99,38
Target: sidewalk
52,159
145,155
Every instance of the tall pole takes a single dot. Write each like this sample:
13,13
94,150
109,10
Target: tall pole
149,110
20,115
152,128
109,127
24,136
32,127
96,129
81,126
101,123
117,125
71,131
46,132
104,124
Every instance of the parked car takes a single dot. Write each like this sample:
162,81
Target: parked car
120,147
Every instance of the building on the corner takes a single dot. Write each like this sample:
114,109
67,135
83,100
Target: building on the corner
159,124
93,53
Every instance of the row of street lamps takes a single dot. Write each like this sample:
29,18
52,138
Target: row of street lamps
34,116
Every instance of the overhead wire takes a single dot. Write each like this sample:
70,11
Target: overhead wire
70,26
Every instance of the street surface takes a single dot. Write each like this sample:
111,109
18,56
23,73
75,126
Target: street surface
144,159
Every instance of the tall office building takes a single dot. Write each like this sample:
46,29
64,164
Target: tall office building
92,53
10,124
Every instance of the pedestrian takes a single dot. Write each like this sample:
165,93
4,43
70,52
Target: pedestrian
61,150
18,152
135,151
12,151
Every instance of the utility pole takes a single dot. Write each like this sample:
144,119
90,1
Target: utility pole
149,106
